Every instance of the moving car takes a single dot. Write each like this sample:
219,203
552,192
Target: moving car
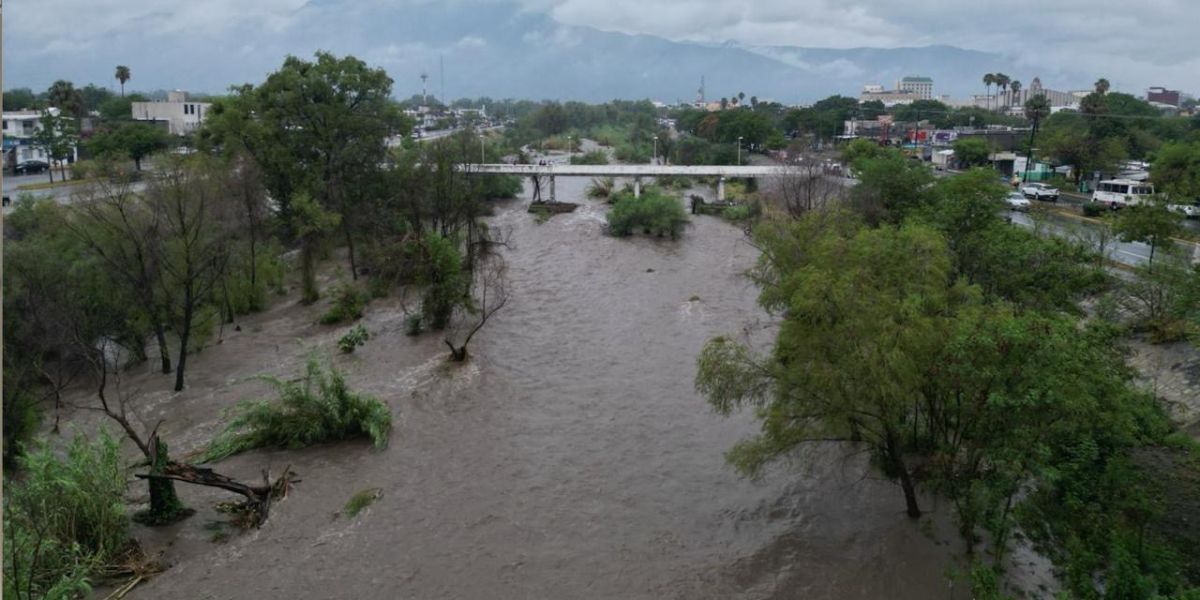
1191,211
1017,201
1040,191
31,166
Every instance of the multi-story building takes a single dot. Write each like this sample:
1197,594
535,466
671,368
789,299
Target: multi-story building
177,115
921,87
889,98
20,130
1162,95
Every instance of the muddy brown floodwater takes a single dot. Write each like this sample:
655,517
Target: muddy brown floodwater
570,458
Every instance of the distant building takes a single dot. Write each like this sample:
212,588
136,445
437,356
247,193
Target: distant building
921,87
177,115
20,129
1162,95
872,89
889,98
1014,102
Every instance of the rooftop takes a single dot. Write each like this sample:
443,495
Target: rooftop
915,79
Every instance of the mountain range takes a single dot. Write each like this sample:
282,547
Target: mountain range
499,50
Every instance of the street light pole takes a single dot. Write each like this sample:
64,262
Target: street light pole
739,152
654,159
481,158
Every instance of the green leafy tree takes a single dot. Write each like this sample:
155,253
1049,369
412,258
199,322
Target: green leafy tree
318,127
132,140
57,136
20,99
847,361
890,187
1150,223
1177,171
973,151
63,95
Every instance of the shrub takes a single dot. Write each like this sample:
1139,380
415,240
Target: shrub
354,338
347,306
739,212
65,519
413,324
1094,209
652,213
601,187
361,500
674,182
634,153
595,157
314,409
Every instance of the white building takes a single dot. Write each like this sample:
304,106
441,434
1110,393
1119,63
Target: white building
921,87
177,115
20,127
889,98
872,88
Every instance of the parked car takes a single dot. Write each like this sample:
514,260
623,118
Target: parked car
31,166
1040,191
1191,211
1017,201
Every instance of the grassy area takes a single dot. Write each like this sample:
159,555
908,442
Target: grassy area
46,185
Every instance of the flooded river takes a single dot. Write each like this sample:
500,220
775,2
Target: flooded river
570,458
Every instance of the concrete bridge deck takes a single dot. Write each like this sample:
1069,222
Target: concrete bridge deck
551,171
626,170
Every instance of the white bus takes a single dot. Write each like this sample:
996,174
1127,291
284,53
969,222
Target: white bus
1122,192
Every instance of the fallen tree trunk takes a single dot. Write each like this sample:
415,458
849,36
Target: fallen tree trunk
258,497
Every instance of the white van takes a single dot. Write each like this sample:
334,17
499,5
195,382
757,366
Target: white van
1122,192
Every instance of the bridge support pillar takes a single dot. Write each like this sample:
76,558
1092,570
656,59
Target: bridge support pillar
553,198
720,189
637,187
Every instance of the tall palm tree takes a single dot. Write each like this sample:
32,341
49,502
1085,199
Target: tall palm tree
1015,86
1102,86
123,76
1002,81
1036,109
988,80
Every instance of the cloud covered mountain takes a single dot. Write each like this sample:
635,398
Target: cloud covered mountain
496,49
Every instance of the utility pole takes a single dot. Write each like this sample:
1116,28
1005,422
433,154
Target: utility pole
739,151
442,76
424,94
481,158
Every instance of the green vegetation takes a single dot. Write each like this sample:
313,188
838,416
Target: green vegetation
357,336
601,187
348,305
972,152
315,409
135,141
64,519
654,213
950,345
360,501
595,157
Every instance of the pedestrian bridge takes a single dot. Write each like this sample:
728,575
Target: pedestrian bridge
537,172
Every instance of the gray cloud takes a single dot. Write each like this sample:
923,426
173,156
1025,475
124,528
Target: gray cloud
170,43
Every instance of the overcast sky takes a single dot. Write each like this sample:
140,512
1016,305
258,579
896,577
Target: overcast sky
1134,44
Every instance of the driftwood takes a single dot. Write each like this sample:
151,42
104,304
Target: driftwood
258,497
